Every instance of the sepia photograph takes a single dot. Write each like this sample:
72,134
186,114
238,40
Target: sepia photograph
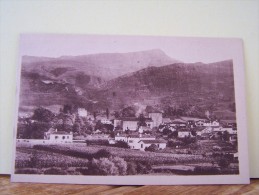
142,106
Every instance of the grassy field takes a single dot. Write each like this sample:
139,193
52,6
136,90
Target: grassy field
69,158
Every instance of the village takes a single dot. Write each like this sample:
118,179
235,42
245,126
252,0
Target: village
149,131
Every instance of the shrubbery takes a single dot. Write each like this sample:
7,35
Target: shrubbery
151,148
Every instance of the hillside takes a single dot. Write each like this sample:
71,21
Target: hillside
146,78
104,65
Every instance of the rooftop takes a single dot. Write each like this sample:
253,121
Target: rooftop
60,133
153,141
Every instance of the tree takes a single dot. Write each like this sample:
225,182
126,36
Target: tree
121,164
102,166
108,166
193,133
225,136
142,120
175,134
166,131
131,168
67,109
121,144
107,113
43,115
151,148
128,112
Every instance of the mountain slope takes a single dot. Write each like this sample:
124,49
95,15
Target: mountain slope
105,65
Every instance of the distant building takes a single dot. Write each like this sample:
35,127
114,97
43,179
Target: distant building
156,118
59,137
106,121
184,133
178,123
199,123
211,124
82,112
133,140
117,123
130,124
143,144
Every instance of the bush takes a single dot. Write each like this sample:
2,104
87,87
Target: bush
122,144
131,168
102,166
107,166
151,148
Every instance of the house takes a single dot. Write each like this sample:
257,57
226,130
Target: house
121,137
156,117
106,121
149,122
133,140
199,123
82,112
178,123
207,130
130,124
117,123
184,133
211,124
143,144
142,129
59,137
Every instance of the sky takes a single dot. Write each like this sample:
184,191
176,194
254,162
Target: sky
184,49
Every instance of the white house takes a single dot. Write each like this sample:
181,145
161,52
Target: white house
184,133
130,124
59,137
156,117
121,137
143,144
106,121
133,140
199,123
178,123
82,112
211,124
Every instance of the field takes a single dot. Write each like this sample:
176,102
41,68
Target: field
79,158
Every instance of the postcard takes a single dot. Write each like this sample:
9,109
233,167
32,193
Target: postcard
130,110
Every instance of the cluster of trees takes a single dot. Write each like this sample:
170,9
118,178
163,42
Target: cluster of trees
43,119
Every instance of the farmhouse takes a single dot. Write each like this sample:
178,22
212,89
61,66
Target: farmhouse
59,137
143,144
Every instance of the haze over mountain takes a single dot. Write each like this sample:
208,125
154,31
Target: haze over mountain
104,65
